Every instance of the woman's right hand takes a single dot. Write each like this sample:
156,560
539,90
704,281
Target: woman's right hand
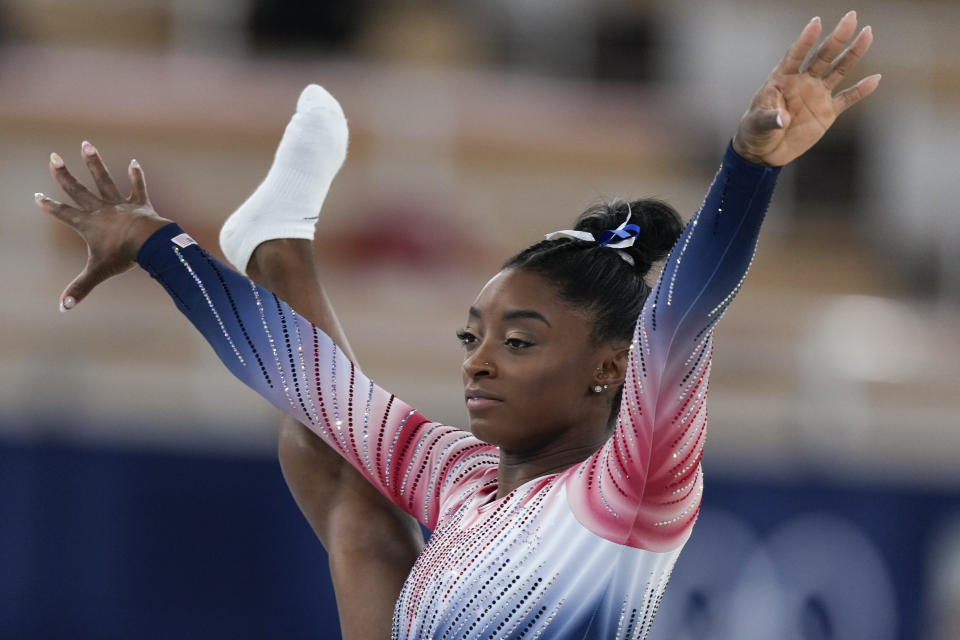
113,227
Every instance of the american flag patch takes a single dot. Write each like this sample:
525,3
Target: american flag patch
183,241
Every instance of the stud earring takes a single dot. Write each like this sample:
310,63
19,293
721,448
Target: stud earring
599,388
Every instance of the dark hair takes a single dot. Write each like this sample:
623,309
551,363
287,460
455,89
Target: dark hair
597,278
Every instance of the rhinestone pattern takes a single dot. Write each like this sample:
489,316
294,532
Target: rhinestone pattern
236,315
271,345
490,571
644,486
213,309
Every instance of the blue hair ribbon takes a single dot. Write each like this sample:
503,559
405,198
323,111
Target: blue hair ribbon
619,238
616,238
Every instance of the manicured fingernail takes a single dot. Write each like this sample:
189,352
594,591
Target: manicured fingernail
779,120
88,149
56,161
815,19
66,304
868,28
135,164
38,196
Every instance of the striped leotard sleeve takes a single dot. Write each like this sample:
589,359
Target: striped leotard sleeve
643,487
415,463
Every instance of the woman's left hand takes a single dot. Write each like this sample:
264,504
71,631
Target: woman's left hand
113,226
796,105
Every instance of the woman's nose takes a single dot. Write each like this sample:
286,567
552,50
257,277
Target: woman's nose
477,364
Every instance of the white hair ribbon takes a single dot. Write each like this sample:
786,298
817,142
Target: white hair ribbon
619,238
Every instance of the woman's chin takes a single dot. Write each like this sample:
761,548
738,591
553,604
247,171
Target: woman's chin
485,430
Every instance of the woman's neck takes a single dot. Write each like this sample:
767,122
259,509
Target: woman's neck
517,468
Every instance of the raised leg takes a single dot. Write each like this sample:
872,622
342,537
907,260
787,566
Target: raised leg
371,543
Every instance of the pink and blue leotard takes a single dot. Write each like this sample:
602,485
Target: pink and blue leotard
584,553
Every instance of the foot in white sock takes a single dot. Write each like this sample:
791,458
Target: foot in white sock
288,201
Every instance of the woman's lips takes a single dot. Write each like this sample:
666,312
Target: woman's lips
478,403
479,399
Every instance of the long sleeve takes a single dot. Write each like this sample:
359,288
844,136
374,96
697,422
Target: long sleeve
415,463
644,487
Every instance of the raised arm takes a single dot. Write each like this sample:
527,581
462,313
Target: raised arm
266,344
643,488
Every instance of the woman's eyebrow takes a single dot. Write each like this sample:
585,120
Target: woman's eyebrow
526,313
513,314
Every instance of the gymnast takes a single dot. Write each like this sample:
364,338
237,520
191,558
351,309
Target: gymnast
562,511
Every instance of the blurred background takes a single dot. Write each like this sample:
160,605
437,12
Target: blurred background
139,489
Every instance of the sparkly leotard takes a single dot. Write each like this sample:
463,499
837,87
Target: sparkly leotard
585,553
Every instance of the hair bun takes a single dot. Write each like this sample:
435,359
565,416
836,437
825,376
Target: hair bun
660,227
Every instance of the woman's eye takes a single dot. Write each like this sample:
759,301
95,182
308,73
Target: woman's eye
517,343
466,338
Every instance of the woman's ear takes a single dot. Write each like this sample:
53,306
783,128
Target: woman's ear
613,370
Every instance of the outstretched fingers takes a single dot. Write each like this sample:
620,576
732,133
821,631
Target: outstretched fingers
849,97
849,59
798,51
138,195
113,227
79,288
70,216
66,214
101,176
830,48
71,186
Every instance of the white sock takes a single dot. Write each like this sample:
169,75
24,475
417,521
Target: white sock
288,201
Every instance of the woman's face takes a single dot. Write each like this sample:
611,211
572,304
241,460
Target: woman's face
529,364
